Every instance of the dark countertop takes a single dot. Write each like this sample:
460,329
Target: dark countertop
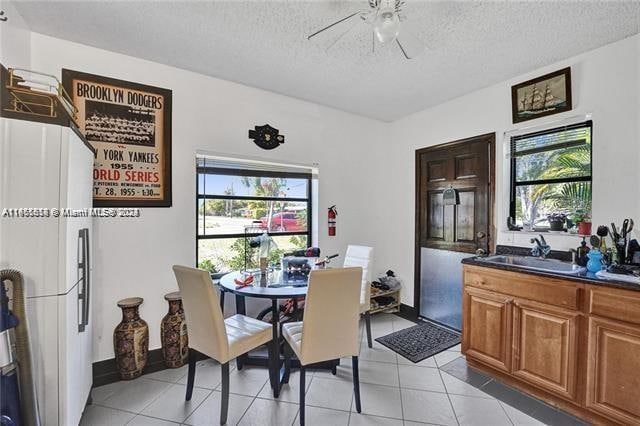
585,277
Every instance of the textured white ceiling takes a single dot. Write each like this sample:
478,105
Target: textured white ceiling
263,44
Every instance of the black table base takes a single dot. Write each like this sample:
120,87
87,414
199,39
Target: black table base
273,359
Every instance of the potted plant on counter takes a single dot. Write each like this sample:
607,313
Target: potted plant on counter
582,220
556,221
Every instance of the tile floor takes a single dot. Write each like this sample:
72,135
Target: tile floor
395,392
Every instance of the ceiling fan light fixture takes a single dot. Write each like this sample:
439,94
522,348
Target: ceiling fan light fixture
386,25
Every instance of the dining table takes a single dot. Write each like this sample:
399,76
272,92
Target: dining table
273,285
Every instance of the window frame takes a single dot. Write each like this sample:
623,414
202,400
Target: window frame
514,183
253,173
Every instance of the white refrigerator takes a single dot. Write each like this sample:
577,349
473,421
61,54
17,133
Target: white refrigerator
46,166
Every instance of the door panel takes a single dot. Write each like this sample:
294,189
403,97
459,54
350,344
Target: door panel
613,370
544,342
465,166
486,332
436,216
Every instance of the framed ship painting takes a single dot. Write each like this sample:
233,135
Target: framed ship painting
546,95
129,126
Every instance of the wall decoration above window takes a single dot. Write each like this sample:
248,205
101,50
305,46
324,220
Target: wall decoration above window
545,95
129,126
266,137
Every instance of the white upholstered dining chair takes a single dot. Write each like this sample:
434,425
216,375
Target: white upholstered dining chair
211,334
362,256
330,327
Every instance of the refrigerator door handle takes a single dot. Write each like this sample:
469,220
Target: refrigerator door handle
83,285
87,269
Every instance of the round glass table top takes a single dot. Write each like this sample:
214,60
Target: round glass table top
275,284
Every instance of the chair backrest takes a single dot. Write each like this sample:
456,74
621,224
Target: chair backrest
331,315
361,256
205,322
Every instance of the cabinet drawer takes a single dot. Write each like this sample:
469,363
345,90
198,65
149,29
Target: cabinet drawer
540,289
621,305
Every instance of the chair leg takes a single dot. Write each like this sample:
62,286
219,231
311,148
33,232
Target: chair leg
191,375
287,362
302,389
356,382
367,323
224,409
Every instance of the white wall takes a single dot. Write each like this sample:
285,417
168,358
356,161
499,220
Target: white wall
366,166
605,83
133,257
15,46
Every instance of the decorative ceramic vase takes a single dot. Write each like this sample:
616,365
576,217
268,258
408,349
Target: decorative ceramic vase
173,333
131,340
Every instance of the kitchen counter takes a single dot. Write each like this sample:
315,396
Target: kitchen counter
585,277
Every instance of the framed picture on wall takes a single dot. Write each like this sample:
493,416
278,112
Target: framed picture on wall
129,126
542,96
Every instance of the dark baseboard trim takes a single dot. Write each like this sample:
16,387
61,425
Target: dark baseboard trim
105,372
408,312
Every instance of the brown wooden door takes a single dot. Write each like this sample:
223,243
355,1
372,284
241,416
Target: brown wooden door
544,347
486,331
613,370
466,167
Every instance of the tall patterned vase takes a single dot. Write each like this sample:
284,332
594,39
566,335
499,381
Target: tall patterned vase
173,333
131,340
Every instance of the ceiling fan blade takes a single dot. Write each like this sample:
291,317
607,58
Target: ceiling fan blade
410,45
334,24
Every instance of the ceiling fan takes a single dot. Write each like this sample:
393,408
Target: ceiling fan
385,18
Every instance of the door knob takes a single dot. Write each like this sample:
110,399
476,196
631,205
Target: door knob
481,235
481,252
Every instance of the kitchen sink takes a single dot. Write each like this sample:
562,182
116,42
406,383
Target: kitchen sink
535,264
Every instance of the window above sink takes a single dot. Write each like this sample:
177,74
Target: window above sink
550,174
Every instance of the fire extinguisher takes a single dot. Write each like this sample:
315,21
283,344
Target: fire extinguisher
331,220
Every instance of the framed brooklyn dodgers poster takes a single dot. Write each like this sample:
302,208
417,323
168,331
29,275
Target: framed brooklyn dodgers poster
129,126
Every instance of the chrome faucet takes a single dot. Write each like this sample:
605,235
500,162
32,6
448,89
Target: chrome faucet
541,248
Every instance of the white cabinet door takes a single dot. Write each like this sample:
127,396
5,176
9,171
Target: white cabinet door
76,183
42,313
29,178
75,375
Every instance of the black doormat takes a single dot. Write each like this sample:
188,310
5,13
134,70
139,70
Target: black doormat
421,341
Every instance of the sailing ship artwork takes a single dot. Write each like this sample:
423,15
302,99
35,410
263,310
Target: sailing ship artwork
545,95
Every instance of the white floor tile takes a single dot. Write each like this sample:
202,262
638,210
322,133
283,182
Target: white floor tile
518,418
141,420
208,374
171,405
401,324
102,393
378,353
366,420
265,412
380,401
171,375
208,413
427,407
288,392
330,394
422,378
136,395
478,411
428,362
248,381
378,373
446,357
343,372
456,386
95,415
315,416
